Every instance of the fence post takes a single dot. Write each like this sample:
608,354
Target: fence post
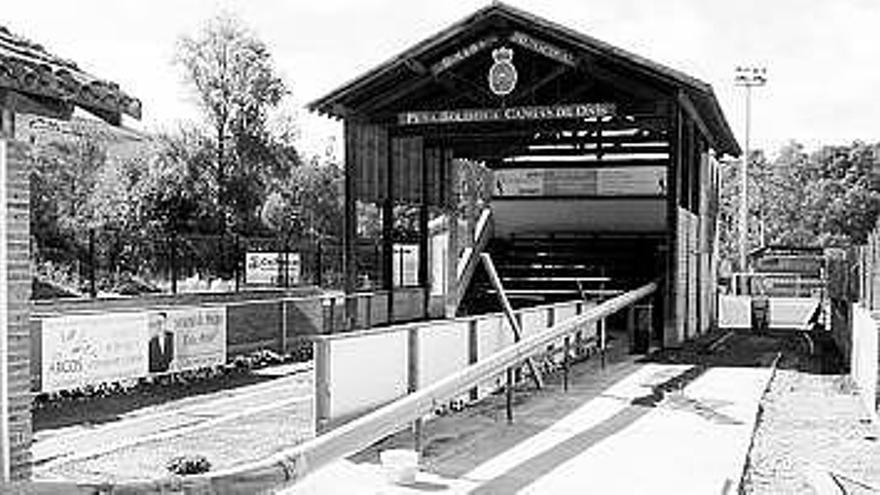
473,355
601,325
566,363
322,355
332,318
508,394
318,262
93,289
413,381
236,268
283,326
172,243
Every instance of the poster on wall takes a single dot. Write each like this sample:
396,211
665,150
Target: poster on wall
265,268
79,350
555,182
524,182
631,180
406,265
189,338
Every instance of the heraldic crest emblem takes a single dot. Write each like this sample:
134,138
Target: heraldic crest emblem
502,74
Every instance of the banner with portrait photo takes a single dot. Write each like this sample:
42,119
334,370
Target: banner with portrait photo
188,338
80,350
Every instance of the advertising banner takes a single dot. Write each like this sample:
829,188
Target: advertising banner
81,350
554,182
181,339
262,268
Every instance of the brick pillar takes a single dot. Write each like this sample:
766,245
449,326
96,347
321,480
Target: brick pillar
15,293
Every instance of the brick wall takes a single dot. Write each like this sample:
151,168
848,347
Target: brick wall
17,281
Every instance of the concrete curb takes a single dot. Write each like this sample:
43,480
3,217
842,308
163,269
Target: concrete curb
758,414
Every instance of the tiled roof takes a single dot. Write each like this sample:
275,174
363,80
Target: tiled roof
28,68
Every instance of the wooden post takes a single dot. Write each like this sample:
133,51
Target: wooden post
321,351
424,277
509,314
388,255
673,185
388,227
566,363
452,262
413,381
424,233
332,314
508,395
349,225
473,354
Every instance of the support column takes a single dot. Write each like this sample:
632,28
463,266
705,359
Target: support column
450,201
15,293
349,227
452,261
673,187
424,238
388,231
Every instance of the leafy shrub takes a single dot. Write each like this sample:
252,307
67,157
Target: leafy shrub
188,464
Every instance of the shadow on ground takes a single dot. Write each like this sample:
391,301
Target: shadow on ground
453,445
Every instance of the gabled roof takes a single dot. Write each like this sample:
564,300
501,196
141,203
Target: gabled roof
343,101
28,68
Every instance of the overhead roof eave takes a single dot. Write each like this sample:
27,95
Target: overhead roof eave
28,68
334,103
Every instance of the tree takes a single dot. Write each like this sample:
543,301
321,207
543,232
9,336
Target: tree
305,204
173,194
824,198
236,85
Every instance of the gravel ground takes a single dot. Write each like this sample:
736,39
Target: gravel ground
811,416
244,439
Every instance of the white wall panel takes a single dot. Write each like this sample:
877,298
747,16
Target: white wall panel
443,350
366,372
533,321
734,311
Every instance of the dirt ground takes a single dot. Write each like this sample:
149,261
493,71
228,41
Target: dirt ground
812,423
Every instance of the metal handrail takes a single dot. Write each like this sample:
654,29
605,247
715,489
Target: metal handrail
293,464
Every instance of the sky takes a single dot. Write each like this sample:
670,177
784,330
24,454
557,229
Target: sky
822,56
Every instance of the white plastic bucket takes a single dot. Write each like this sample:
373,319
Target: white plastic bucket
400,465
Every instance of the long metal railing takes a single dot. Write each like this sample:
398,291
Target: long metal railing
293,464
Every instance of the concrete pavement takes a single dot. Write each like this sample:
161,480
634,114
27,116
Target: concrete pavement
632,428
54,447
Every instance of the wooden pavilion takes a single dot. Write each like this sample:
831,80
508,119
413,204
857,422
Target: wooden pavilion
33,82
603,164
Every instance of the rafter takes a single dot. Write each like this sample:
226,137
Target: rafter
521,93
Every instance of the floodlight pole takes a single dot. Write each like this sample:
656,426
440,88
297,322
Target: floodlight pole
747,77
